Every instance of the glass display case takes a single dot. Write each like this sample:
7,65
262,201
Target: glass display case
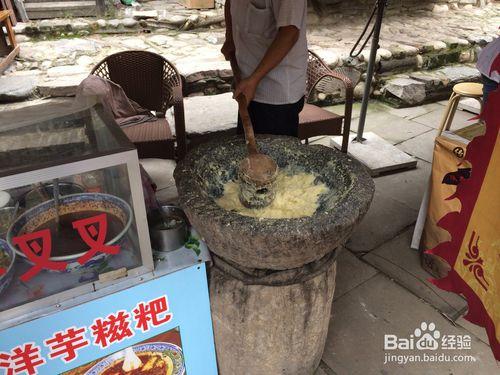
72,214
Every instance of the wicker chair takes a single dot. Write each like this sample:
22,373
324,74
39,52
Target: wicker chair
154,83
316,121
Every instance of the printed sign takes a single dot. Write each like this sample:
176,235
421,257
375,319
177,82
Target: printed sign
37,246
149,320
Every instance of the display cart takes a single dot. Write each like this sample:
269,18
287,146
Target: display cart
80,292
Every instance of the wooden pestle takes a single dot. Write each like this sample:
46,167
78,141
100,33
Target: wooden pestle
257,172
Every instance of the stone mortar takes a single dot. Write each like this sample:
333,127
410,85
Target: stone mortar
275,244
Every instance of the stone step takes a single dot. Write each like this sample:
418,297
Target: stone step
406,90
48,9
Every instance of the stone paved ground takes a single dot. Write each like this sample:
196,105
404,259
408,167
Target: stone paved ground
381,288
411,40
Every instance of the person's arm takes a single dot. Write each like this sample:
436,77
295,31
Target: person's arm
228,48
285,40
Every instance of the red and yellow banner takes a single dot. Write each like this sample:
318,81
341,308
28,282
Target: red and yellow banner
474,249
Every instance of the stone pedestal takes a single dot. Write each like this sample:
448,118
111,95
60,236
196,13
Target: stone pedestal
262,329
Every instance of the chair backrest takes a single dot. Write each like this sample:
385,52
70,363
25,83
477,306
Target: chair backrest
316,68
316,71
146,77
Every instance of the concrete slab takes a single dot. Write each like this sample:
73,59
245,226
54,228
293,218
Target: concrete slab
385,219
477,331
399,262
161,171
207,114
406,186
351,272
373,107
421,146
322,140
61,86
378,155
408,113
393,129
168,195
433,119
361,318
33,110
470,105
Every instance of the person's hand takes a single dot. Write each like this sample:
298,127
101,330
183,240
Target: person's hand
247,87
228,49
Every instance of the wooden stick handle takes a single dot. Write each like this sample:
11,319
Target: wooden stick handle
243,110
247,124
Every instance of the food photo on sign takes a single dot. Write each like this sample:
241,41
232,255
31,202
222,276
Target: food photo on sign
160,355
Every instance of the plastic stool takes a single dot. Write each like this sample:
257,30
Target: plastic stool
460,90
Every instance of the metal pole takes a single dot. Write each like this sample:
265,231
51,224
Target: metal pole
371,67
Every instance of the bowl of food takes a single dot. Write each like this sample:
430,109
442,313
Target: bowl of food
5,199
45,192
7,259
169,230
67,244
6,218
156,358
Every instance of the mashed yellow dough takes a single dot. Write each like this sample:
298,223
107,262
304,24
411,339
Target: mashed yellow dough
296,196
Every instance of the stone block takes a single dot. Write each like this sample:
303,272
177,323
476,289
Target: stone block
79,25
114,23
174,20
144,14
61,86
20,28
398,65
480,40
130,22
66,70
101,23
208,114
85,61
161,40
400,51
434,46
440,8
16,88
409,91
134,43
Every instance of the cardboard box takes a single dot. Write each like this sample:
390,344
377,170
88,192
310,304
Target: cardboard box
199,4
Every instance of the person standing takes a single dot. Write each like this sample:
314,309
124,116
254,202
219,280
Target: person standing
268,40
488,64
